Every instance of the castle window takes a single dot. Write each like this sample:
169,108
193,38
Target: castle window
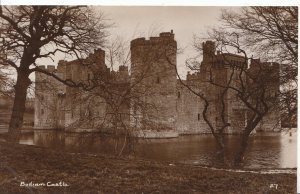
42,111
157,80
198,116
89,76
178,94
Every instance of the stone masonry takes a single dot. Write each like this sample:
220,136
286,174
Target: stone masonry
158,100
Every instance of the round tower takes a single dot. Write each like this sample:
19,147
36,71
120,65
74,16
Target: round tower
153,78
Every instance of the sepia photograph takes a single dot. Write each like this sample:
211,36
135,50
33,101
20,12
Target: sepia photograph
148,99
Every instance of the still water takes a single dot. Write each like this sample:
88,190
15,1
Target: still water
265,150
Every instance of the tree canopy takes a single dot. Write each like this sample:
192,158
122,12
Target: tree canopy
30,33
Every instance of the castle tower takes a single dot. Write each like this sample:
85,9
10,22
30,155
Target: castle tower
219,69
153,82
209,49
49,99
83,71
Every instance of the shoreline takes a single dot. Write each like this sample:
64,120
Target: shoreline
109,174
147,134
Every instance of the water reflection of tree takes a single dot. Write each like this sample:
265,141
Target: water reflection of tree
53,139
257,88
30,33
113,103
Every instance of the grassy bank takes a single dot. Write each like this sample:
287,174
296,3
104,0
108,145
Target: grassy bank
85,173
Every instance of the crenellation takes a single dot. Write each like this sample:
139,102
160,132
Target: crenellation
158,80
155,79
167,35
193,76
209,50
61,68
137,42
123,68
51,68
98,55
42,66
162,39
155,38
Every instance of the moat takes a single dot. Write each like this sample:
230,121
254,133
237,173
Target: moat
266,150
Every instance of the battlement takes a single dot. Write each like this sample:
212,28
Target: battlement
97,53
168,35
256,63
193,76
58,71
275,65
137,41
209,49
123,68
50,68
233,60
62,62
42,66
162,38
233,56
209,46
121,76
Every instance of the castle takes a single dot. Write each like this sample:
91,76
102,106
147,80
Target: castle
149,95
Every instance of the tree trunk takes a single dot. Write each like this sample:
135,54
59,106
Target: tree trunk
239,157
242,149
18,110
221,147
240,154
220,142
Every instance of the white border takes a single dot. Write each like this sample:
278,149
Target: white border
155,2
173,3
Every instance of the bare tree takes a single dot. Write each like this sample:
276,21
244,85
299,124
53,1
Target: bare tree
272,34
31,33
267,32
224,80
273,31
111,101
199,87
128,109
256,88
3,81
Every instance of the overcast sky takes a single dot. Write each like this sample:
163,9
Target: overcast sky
134,21
131,22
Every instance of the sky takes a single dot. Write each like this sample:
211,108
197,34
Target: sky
130,22
134,21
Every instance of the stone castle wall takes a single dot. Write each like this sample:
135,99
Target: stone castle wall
158,100
49,99
189,112
154,74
